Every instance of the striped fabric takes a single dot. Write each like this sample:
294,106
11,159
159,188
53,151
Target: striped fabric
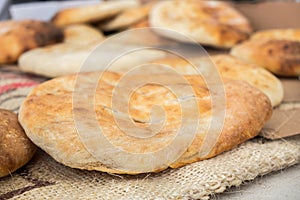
14,87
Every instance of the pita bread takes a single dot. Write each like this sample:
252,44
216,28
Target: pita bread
247,109
17,37
82,34
212,23
127,18
66,58
276,50
92,13
232,68
15,147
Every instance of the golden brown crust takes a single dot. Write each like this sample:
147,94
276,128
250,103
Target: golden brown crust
242,121
247,109
15,148
17,37
281,57
211,23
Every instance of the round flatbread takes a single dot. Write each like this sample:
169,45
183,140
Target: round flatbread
276,50
211,23
15,147
56,131
82,34
17,37
230,67
92,13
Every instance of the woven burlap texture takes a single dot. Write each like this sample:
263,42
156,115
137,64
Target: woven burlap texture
44,178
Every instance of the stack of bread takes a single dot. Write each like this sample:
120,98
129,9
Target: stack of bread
240,87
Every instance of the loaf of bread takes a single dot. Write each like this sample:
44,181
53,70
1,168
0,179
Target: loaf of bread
16,37
15,147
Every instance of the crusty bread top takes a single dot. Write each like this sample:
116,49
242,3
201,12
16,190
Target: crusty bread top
247,109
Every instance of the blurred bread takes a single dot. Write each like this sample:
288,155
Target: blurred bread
15,147
127,18
277,50
92,13
67,58
17,37
212,23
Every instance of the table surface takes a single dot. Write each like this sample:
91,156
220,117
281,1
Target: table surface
281,185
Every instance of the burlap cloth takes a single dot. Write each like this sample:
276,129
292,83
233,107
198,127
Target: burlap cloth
44,178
